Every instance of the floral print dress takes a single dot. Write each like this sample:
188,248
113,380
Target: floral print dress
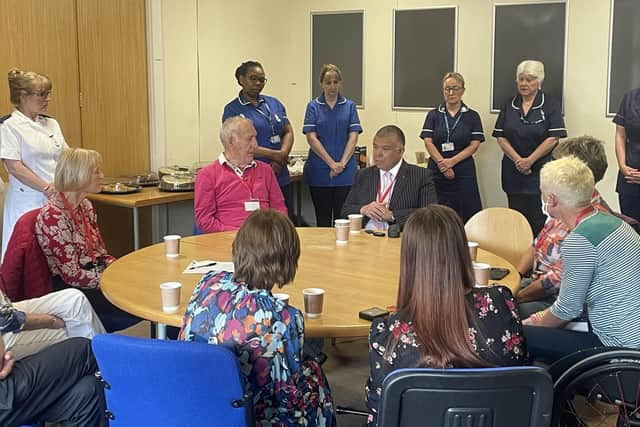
495,320
267,336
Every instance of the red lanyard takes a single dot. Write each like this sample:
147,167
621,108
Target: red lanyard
586,211
382,197
249,185
87,231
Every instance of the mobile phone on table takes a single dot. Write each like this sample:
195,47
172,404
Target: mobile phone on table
498,273
372,313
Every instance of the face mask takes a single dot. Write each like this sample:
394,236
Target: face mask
545,207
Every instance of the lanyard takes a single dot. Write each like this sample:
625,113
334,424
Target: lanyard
85,225
382,197
583,213
267,116
446,122
249,185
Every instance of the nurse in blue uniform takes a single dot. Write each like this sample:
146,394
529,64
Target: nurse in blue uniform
269,117
627,122
332,126
452,133
527,130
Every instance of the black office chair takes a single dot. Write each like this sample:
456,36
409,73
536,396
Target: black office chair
487,397
599,386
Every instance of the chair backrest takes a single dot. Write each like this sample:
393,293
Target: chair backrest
25,272
503,231
171,383
488,397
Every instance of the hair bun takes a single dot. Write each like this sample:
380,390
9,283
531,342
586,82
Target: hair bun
14,73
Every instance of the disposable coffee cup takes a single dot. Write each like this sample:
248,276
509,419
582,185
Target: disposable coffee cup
170,293
313,299
282,297
342,230
355,223
481,271
172,245
473,250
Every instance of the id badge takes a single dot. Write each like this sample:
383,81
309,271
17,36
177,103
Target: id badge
275,139
251,205
447,146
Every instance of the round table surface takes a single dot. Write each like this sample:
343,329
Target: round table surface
358,275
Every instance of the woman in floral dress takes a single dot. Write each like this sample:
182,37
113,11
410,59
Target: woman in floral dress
441,321
237,310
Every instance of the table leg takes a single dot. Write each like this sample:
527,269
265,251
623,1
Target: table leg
136,229
299,202
161,331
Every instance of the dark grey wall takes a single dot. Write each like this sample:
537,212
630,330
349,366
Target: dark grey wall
625,51
337,39
424,50
528,31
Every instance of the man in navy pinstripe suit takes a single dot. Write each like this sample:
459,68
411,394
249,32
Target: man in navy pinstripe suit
390,191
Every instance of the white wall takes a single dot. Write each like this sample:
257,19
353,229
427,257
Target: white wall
204,41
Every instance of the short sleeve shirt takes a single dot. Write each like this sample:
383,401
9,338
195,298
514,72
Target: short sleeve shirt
332,126
628,116
451,135
269,118
525,133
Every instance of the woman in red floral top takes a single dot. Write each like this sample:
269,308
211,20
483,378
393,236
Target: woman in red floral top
67,231
441,321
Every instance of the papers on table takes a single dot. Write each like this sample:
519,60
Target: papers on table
207,265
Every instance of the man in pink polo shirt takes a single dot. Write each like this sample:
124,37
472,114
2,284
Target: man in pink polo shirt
233,186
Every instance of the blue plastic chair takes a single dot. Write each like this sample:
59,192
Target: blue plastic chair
488,397
171,383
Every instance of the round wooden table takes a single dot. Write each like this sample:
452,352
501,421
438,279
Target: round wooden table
356,276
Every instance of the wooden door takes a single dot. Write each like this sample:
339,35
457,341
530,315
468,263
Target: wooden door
41,36
113,83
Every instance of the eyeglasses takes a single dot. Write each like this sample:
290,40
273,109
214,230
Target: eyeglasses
452,89
261,80
42,94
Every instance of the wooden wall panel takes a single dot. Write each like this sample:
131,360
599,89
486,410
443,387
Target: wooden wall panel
41,36
113,82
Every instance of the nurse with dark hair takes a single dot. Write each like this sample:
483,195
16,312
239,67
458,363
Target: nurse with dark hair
527,130
627,122
269,117
332,126
452,133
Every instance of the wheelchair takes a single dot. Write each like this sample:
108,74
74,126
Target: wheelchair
597,387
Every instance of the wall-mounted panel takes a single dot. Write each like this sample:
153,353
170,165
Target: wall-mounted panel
528,31
424,50
337,38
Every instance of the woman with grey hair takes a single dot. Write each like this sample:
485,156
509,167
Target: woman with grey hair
596,256
527,129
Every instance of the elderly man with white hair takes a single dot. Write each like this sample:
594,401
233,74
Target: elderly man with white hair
233,186
600,269
527,129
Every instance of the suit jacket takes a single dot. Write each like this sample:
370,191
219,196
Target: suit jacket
413,189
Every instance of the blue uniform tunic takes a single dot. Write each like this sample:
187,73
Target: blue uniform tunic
461,193
332,126
628,116
525,134
269,118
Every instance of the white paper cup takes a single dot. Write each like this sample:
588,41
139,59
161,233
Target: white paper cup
172,245
481,271
170,293
342,230
473,250
355,223
313,301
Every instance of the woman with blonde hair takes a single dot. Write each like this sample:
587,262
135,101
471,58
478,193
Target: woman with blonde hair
442,320
67,231
30,144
